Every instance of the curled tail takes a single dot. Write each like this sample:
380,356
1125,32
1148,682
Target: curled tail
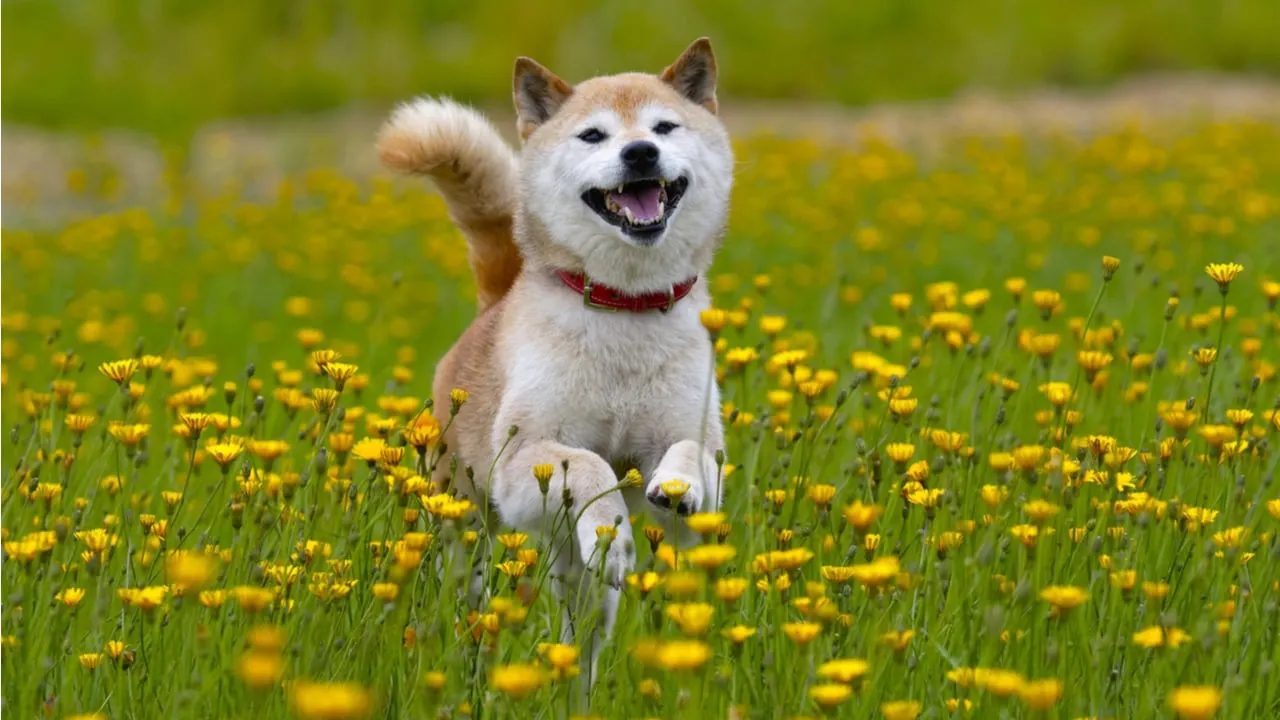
474,169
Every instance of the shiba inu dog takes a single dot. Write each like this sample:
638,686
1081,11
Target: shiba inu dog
589,249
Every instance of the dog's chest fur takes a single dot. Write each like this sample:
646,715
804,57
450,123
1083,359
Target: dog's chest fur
623,385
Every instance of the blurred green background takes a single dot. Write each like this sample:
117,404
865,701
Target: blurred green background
165,67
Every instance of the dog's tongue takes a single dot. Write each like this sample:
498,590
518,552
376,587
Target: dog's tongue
642,203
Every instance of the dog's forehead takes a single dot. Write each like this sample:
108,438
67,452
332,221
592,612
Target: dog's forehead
627,96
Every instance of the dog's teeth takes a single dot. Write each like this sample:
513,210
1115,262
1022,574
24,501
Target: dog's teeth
626,211
662,183
619,191
662,209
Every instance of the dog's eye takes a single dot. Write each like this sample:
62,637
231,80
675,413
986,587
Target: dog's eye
591,135
664,128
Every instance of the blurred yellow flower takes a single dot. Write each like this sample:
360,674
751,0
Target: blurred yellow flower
1195,702
330,701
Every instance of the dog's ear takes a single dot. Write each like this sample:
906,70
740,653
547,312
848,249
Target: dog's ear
693,74
538,94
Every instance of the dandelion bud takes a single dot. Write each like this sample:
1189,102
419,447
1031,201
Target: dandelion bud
1109,266
654,534
181,318
259,404
457,398
542,473
566,497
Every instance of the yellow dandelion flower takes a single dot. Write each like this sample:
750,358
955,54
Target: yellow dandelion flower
1223,274
129,435
709,557
369,450
897,639
714,319
900,710
1204,356
739,634
801,633
252,599
683,655
862,516
1064,597
674,489
119,371
457,398
192,571
846,670
1195,702
829,695
340,373
1041,694
704,523
730,589
691,618
260,670
224,453
330,701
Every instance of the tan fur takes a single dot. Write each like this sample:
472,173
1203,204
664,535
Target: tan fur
469,364
474,171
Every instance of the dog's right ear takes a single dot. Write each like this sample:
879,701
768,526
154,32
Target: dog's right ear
538,95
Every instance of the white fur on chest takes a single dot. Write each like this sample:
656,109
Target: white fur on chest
619,384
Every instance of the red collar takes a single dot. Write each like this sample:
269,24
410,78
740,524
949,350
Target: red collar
601,297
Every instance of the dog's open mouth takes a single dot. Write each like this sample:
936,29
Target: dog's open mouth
640,208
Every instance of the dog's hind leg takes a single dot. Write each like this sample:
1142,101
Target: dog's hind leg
591,540
590,610
583,497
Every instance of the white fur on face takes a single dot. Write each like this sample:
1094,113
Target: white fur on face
555,175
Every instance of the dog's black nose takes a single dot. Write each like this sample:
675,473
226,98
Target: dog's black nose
640,156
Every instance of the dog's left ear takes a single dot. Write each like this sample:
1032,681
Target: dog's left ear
693,74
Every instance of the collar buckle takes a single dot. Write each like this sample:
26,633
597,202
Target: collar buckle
671,300
586,297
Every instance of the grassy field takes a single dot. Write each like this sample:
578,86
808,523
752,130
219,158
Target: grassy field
999,446
167,67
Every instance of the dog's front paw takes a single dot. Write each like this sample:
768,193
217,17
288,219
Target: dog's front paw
682,496
609,550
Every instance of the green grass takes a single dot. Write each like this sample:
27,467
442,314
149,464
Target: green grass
225,290
166,68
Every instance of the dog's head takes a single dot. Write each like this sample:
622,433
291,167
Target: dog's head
626,176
